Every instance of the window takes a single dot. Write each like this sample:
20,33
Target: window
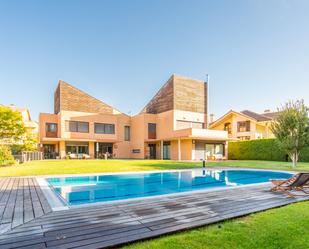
243,126
181,124
77,148
243,138
51,127
214,149
228,127
127,133
152,131
100,128
77,126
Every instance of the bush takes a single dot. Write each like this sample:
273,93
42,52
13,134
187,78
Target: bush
304,155
6,156
261,149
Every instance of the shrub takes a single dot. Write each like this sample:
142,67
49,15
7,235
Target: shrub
261,149
6,156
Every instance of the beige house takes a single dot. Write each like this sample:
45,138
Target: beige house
30,125
173,125
245,125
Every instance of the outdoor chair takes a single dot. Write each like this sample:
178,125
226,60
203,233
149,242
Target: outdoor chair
73,156
298,182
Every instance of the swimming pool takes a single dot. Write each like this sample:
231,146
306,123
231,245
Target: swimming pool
77,190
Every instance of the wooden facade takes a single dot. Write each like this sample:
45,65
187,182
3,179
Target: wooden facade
180,93
69,98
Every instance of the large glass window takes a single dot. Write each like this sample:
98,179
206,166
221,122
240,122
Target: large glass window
127,133
77,126
243,126
100,128
51,129
152,131
77,148
214,149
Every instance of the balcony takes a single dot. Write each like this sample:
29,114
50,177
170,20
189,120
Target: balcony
202,134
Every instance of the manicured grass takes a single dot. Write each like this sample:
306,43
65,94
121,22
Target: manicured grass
49,167
281,228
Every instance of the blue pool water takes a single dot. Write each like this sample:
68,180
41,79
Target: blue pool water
101,188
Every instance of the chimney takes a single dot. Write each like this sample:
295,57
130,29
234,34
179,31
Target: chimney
211,117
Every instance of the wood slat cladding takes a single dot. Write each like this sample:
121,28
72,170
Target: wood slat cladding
163,100
179,93
190,95
57,100
69,98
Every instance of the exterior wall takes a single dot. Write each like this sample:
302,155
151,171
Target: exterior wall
70,98
62,153
47,118
138,136
189,117
174,150
257,129
190,95
121,148
179,100
180,93
164,100
186,149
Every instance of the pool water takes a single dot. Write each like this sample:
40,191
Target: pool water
102,188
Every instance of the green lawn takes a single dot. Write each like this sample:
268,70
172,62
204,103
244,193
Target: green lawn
281,228
48,167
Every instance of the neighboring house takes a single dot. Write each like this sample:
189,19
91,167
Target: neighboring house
30,125
171,126
245,125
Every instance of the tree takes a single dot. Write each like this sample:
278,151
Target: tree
11,125
29,142
291,128
6,157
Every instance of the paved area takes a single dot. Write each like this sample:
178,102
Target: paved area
114,224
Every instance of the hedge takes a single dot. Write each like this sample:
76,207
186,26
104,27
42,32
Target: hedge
261,149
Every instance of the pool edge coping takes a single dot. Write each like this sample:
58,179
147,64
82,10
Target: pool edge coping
59,204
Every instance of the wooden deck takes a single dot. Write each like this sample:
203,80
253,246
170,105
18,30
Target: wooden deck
21,200
113,224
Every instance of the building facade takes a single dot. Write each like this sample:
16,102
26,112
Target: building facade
173,125
246,125
30,125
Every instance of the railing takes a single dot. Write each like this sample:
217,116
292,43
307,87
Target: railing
26,156
51,134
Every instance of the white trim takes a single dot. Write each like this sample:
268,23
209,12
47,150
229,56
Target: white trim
58,204
53,199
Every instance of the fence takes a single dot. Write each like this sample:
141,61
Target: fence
26,156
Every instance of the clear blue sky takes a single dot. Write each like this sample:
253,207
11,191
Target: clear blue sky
256,52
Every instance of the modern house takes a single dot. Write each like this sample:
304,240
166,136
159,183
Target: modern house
245,125
173,125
